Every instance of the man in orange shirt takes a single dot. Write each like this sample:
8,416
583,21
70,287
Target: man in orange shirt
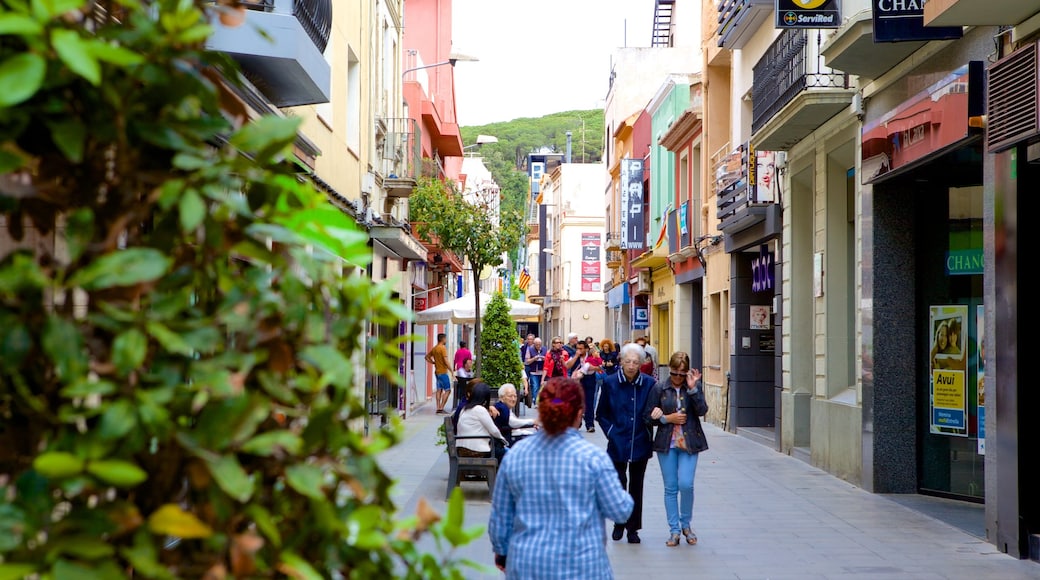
438,357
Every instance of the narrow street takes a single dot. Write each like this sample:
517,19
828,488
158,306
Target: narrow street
759,515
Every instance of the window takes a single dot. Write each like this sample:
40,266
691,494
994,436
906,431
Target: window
353,101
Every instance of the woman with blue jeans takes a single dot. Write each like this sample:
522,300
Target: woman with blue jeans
675,407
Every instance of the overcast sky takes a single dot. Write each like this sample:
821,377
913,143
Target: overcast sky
541,56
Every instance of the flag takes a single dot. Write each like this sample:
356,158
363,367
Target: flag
524,281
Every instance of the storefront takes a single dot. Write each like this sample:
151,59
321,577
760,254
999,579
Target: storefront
923,178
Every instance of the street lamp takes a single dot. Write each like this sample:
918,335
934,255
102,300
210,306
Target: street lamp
452,59
481,140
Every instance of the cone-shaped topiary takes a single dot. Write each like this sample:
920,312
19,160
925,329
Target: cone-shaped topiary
500,346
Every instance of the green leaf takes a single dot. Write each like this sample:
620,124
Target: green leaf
336,368
267,443
15,571
85,547
144,557
79,230
231,478
58,465
128,350
123,268
363,528
87,386
45,10
64,344
70,135
192,210
114,54
306,479
9,161
75,53
117,472
451,526
170,340
266,135
297,567
104,570
119,418
21,76
12,527
265,523
18,24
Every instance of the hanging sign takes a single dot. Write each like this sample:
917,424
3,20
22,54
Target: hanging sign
808,14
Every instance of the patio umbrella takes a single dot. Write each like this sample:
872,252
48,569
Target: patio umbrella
461,310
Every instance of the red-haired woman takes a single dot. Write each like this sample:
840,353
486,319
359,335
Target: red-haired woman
553,492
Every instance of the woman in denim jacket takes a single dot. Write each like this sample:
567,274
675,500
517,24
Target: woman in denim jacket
675,407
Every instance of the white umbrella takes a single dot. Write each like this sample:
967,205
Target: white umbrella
461,310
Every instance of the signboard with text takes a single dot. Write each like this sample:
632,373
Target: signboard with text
808,14
590,263
633,236
903,20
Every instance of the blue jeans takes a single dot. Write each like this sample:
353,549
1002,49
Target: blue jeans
677,470
535,381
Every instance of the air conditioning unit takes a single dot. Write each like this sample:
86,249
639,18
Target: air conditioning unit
643,284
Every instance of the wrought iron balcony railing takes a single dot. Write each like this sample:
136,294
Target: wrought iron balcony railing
399,142
791,65
314,15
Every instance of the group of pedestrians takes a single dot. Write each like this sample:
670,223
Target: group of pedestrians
552,496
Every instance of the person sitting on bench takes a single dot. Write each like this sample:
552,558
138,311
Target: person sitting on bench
475,420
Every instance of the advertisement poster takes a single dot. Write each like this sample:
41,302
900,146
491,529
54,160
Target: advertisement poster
765,178
980,393
590,263
633,236
947,359
759,317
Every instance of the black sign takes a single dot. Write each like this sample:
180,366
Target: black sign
903,20
633,236
808,14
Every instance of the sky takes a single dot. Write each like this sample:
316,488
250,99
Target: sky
541,56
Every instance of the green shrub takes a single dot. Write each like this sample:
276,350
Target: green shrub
177,385
499,346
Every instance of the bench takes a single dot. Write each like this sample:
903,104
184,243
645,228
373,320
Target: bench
467,468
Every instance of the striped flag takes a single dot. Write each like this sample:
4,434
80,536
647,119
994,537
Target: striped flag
524,281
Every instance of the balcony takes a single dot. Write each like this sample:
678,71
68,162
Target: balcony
793,93
280,48
975,13
852,48
399,142
740,19
613,241
396,236
614,259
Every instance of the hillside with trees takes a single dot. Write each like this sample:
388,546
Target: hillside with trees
507,158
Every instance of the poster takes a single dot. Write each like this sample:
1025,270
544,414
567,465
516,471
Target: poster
590,262
759,317
980,392
948,370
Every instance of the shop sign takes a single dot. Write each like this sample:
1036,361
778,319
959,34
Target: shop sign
903,20
762,276
640,317
808,14
964,262
633,237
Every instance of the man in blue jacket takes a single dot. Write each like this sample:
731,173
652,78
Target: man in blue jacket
629,442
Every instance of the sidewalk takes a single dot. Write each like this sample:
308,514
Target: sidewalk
759,515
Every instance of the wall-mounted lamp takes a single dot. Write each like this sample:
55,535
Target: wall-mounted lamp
452,59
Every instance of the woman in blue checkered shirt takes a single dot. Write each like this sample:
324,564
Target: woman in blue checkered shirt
553,493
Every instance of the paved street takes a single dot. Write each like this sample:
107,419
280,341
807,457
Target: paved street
759,515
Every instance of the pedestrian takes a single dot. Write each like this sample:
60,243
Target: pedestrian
534,365
675,408
620,415
581,368
556,360
462,354
572,344
608,352
651,353
552,496
475,425
438,357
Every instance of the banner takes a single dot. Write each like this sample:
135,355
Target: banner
896,21
590,263
633,235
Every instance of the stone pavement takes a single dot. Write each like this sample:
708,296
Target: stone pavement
758,514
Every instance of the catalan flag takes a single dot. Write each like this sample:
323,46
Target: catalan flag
524,281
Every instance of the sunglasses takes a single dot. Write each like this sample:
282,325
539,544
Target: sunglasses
676,374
